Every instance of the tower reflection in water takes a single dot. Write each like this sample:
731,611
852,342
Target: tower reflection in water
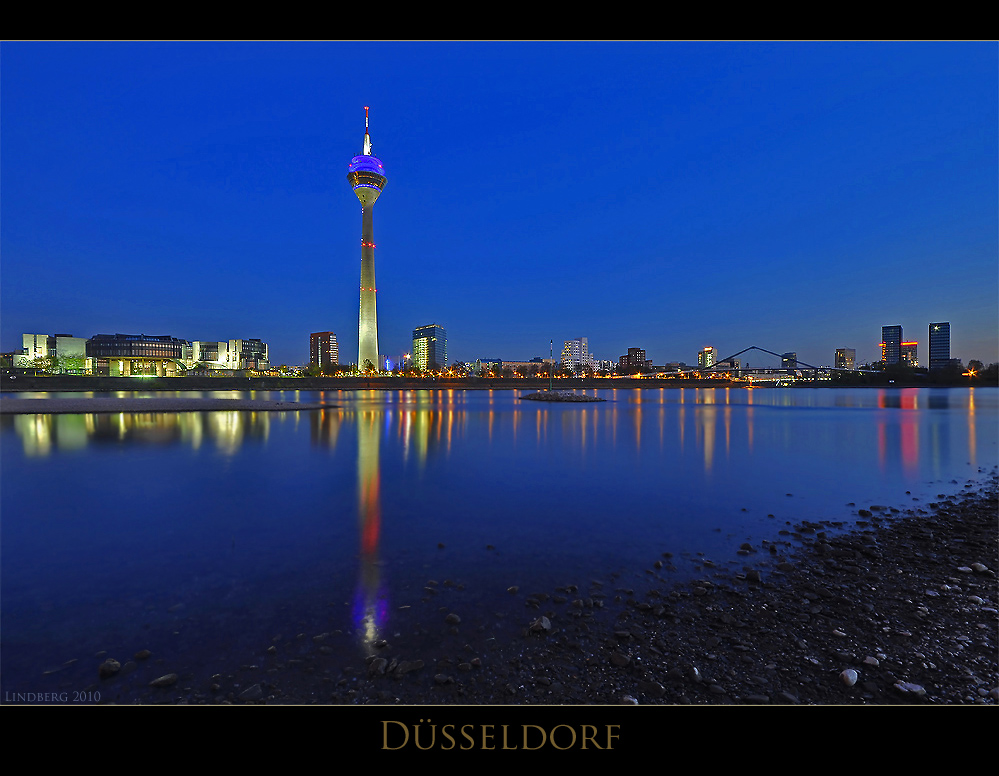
370,604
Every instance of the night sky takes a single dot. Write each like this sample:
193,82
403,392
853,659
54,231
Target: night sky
665,196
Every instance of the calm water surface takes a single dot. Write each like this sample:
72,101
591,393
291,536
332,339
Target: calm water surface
206,536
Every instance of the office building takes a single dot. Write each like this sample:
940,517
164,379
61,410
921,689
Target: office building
134,355
845,358
891,345
707,357
634,361
59,353
249,354
430,347
907,354
323,350
367,177
36,346
939,345
789,361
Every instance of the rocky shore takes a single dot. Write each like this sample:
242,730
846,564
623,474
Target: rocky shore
900,609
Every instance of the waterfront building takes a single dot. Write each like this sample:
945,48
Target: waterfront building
235,354
707,357
59,353
907,354
249,354
891,345
430,347
367,177
576,355
133,355
35,346
939,345
323,350
789,361
845,358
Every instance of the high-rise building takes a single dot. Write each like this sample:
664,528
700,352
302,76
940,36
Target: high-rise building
939,345
707,357
845,358
430,347
789,361
576,355
907,354
891,345
367,177
323,350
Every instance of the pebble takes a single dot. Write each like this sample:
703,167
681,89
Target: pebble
849,677
908,688
109,668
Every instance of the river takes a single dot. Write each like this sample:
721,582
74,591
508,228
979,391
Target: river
205,537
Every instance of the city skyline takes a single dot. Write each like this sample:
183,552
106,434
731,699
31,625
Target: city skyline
797,197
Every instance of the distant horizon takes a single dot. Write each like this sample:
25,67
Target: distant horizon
665,196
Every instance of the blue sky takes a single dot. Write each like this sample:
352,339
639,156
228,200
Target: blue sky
794,196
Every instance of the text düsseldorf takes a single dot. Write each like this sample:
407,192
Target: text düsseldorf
400,735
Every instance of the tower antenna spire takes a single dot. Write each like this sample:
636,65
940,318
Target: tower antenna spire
367,137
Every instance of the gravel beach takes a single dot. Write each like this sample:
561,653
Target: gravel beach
901,609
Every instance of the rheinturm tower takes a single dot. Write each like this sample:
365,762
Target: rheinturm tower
367,176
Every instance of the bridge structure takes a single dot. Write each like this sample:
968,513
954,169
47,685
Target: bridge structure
767,374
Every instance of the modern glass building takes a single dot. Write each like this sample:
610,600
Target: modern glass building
891,345
939,345
430,347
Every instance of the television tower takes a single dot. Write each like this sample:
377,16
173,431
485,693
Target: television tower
367,177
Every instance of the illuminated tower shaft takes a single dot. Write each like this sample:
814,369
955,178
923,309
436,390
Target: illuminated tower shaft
367,177
367,320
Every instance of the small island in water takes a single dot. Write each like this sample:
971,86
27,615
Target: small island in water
559,396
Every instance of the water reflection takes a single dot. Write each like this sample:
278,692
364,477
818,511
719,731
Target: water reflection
370,604
41,435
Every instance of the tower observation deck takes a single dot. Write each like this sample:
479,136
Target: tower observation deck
367,177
